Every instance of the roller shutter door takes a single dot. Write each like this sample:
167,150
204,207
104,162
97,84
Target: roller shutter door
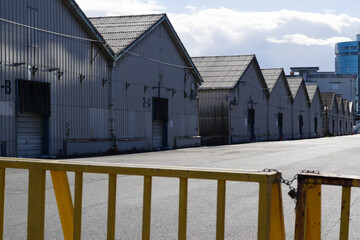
29,135
158,134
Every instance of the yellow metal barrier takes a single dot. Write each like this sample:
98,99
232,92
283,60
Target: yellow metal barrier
308,207
270,219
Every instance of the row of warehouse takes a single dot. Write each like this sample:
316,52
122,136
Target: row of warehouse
239,102
76,85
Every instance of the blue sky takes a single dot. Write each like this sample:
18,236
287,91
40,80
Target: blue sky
282,33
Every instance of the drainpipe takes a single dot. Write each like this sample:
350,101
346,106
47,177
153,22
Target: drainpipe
292,120
230,132
111,104
267,120
309,122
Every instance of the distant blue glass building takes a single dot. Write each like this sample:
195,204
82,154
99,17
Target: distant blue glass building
347,61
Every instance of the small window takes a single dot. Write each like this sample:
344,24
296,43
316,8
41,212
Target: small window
335,86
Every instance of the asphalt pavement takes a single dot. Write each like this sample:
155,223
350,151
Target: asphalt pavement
338,155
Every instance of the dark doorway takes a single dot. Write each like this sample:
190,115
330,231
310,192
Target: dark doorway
251,124
280,125
301,124
315,126
159,124
346,127
33,111
340,130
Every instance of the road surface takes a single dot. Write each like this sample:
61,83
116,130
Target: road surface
338,155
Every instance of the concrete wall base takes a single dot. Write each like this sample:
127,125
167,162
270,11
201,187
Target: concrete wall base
182,142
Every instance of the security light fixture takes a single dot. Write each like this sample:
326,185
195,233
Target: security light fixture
82,77
59,74
34,70
104,81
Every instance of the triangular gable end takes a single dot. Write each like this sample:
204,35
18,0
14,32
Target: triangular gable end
89,28
303,87
319,95
260,76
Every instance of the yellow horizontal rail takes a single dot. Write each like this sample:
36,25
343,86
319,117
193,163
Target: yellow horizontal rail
140,170
270,226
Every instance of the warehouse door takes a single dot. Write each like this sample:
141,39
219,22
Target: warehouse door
251,124
159,124
158,134
280,125
340,131
33,101
29,135
301,124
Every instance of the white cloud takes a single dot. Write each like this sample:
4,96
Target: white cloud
269,35
221,31
120,7
302,39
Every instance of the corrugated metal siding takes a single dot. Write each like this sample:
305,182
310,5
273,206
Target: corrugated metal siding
83,105
279,102
300,107
315,111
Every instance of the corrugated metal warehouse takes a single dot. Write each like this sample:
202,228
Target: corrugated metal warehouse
340,114
300,108
346,117
329,114
51,80
232,100
154,83
65,91
315,111
280,104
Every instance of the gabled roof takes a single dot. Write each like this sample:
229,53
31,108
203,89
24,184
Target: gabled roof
122,33
271,76
346,105
222,71
312,89
225,72
339,103
351,107
328,99
294,84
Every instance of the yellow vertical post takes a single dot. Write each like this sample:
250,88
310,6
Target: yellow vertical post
313,211
277,226
345,213
64,202
111,207
146,208
2,201
36,205
183,208
220,218
78,205
264,210
300,210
